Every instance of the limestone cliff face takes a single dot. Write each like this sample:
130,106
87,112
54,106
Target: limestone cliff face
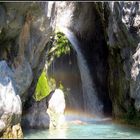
123,33
25,29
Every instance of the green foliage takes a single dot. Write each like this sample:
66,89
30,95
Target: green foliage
61,45
42,89
44,86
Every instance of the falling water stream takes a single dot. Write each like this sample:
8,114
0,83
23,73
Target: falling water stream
91,103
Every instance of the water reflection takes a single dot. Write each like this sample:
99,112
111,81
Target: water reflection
59,133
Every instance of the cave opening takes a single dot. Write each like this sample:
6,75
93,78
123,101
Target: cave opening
65,71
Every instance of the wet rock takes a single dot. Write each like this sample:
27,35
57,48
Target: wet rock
56,108
36,116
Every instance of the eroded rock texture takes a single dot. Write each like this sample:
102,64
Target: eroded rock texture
10,103
25,29
123,33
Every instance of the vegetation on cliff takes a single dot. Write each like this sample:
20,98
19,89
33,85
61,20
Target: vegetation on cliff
42,88
61,45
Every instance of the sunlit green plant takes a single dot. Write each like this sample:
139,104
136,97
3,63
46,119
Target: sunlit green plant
61,45
42,89
45,84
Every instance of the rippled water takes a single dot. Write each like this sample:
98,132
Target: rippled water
99,129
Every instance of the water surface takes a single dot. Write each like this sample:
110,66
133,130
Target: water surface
91,129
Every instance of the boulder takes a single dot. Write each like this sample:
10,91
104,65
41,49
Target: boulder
56,108
10,103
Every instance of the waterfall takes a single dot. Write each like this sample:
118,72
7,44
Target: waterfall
91,103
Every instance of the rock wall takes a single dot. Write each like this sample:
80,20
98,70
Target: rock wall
25,29
123,33
10,102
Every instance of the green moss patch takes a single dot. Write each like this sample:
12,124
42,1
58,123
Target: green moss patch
42,89
44,86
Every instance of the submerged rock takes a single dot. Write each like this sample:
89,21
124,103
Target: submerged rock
56,108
